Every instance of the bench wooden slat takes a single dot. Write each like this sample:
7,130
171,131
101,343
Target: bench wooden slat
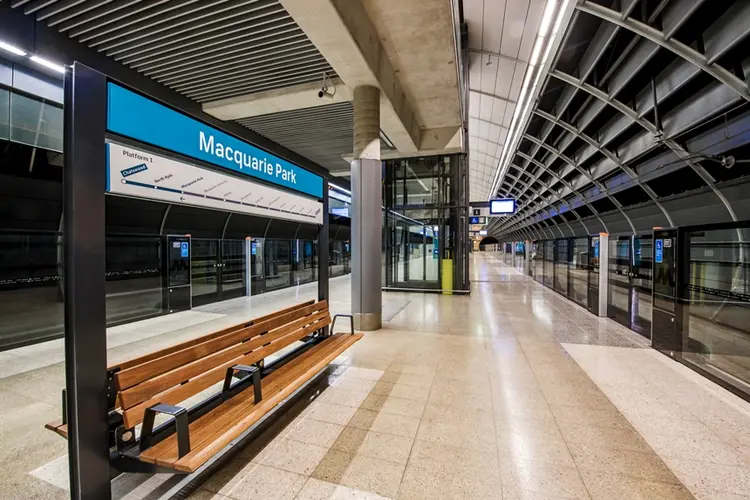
165,453
178,347
217,429
58,427
134,415
130,377
155,385
190,463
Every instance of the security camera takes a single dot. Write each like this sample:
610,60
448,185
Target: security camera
324,92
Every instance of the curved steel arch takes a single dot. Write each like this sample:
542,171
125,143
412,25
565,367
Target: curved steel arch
564,182
650,127
583,172
554,193
679,49
610,156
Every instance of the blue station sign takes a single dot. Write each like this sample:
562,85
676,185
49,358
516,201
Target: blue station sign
132,115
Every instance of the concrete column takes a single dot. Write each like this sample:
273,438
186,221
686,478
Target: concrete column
367,202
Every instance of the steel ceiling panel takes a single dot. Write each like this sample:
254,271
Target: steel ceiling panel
629,64
501,37
204,49
323,133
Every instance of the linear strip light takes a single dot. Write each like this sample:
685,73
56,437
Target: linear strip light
39,60
12,49
544,42
339,188
48,64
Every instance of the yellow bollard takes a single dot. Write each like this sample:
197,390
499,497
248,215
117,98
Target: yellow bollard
447,278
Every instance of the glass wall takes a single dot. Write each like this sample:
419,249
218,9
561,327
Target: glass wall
718,304
32,291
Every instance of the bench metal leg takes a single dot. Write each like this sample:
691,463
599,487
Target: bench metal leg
181,425
351,322
226,391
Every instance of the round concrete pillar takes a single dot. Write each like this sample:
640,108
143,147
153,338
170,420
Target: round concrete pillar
367,202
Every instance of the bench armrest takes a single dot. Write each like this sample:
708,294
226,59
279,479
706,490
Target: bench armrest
351,322
254,371
180,415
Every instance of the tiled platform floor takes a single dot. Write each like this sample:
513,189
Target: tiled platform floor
510,393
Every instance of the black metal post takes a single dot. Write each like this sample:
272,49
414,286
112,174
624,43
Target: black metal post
323,235
84,270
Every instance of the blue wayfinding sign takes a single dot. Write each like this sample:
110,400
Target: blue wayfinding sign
659,251
132,115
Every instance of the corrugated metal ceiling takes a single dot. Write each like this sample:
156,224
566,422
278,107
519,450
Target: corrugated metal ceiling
323,133
204,49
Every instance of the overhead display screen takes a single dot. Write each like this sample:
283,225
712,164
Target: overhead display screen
502,206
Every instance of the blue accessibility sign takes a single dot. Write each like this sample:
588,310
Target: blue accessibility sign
659,258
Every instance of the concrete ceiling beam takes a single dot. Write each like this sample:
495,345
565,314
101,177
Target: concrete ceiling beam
275,101
346,37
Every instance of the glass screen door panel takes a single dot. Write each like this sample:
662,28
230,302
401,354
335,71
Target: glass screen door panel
561,266
232,269
618,295
549,263
578,271
278,254
205,271
717,298
304,261
641,283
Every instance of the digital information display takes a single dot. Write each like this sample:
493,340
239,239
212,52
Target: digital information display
502,206
483,232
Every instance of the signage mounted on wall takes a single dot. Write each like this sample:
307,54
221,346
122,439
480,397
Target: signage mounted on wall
659,247
483,232
132,115
142,174
502,206
478,220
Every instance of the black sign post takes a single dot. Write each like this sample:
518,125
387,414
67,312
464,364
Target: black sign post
84,182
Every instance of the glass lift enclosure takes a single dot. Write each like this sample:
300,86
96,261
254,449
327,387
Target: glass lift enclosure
422,221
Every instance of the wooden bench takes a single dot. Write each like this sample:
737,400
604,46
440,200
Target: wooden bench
227,371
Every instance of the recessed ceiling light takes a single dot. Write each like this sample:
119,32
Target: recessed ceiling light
48,64
10,48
